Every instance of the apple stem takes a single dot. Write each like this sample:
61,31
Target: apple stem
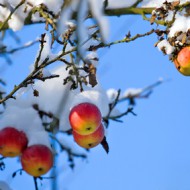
35,183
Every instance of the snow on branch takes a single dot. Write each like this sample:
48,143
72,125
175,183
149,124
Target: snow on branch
73,33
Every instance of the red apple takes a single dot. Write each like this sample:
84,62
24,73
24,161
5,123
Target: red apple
85,118
182,62
91,140
37,160
12,142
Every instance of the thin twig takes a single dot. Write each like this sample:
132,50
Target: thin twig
125,40
35,183
11,13
113,104
18,48
44,64
116,117
42,41
144,92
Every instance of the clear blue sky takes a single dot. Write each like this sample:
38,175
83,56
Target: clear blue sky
147,152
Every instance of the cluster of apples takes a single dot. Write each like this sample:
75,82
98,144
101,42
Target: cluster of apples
86,122
182,61
88,131
36,159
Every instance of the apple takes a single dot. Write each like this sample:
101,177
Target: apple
85,118
37,160
12,142
182,62
91,140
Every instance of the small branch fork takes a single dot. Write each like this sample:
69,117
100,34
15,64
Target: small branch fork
143,93
38,67
51,126
40,178
35,74
29,79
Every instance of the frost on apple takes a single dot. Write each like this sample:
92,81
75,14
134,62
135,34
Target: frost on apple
60,107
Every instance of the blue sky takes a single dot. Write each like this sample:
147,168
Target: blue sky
147,152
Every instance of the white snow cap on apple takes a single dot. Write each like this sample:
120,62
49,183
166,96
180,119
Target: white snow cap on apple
20,115
53,97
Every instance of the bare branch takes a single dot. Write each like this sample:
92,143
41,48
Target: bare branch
35,183
139,93
128,11
143,93
42,41
116,118
29,78
29,44
125,40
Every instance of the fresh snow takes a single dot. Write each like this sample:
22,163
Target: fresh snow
4,186
166,45
54,97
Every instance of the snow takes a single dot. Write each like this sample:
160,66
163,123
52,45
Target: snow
4,186
112,94
22,116
4,12
54,97
17,19
158,3
82,32
120,3
97,97
132,92
83,7
167,47
181,24
92,57
65,18
46,52
97,11
39,137
96,7
54,5
71,24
